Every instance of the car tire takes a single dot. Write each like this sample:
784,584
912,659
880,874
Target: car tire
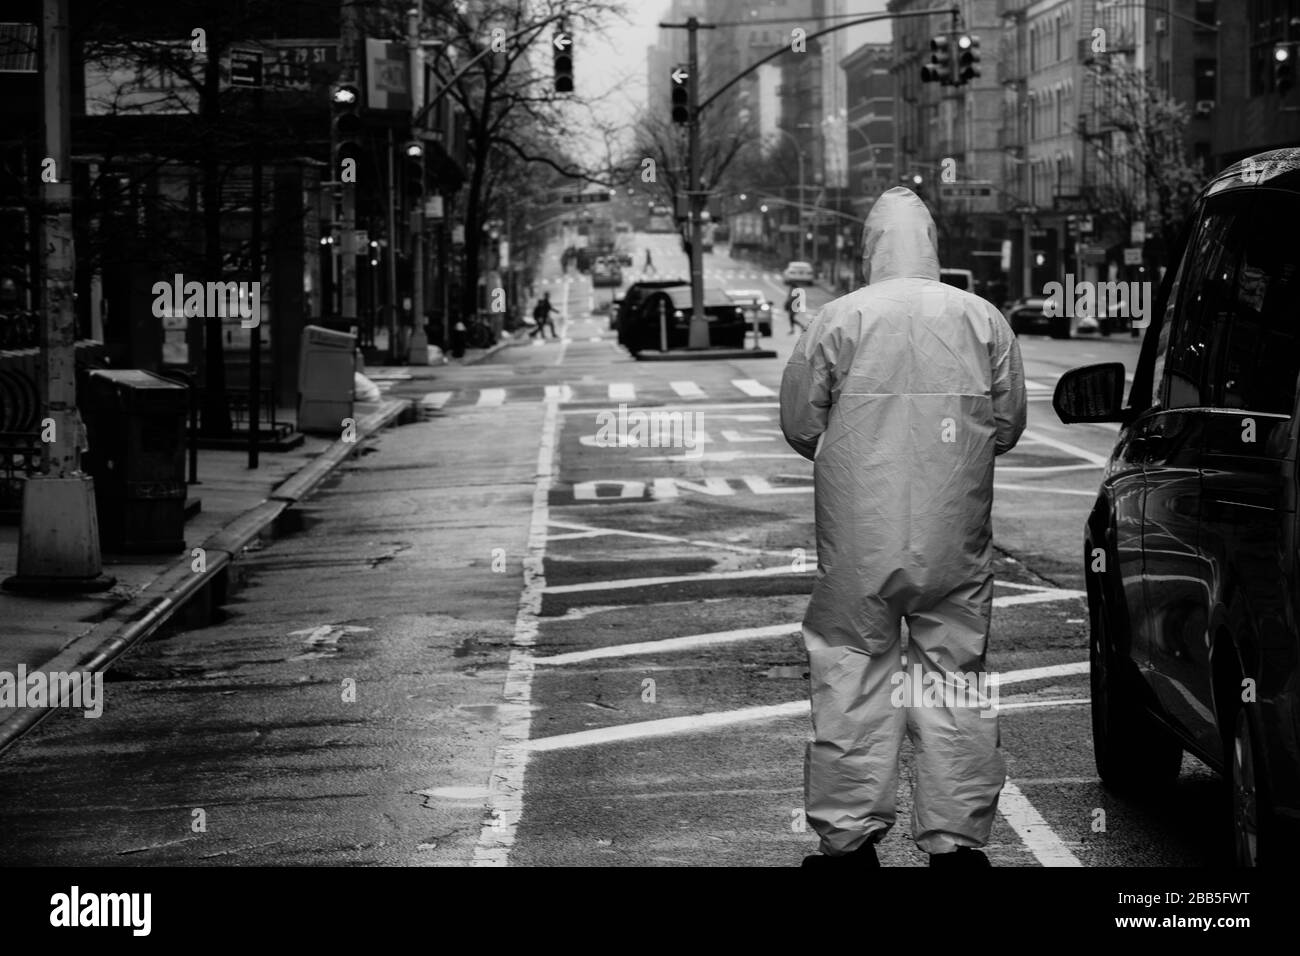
1135,755
1061,327
1255,837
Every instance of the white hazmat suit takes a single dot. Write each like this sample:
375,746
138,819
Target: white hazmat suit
902,393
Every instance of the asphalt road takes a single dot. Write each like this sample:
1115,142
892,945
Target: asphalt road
567,652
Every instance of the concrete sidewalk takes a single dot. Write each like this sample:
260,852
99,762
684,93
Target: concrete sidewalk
87,632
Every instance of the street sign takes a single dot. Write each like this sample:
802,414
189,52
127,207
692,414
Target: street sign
572,198
458,235
1085,225
1132,257
1025,210
788,227
979,189
1069,202
363,240
245,68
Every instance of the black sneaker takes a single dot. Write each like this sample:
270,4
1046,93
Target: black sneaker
864,855
963,858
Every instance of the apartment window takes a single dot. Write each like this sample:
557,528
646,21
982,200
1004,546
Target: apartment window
1058,38
1205,79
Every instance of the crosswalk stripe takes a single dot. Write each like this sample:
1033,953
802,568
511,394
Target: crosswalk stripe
687,389
491,396
622,391
752,388
563,393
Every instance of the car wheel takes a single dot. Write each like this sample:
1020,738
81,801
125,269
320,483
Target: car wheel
1061,327
1255,838
1134,754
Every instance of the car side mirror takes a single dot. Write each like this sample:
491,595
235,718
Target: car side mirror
1094,393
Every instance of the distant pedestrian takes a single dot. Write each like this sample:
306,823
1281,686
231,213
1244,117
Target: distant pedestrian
649,263
542,314
789,311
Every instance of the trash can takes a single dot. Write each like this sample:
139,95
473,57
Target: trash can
135,429
326,363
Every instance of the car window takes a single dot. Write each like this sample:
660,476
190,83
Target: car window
1204,294
1255,340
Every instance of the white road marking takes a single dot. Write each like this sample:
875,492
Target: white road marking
511,759
1066,447
491,397
561,393
435,399
687,389
722,456
1032,829
694,407
999,486
1036,385
1043,469
670,644
589,530
622,392
625,583
1056,702
752,388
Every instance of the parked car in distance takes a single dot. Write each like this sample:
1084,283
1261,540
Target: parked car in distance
639,324
605,271
634,296
1190,547
798,273
1030,315
753,300
961,278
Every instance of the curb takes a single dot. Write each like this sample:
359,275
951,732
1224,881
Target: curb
172,590
490,352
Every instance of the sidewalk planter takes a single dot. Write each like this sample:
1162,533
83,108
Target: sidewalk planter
135,424
326,364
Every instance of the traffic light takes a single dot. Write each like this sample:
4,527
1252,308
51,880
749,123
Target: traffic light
345,132
940,68
414,168
1283,67
681,96
968,58
562,45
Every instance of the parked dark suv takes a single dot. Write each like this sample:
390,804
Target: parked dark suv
1191,549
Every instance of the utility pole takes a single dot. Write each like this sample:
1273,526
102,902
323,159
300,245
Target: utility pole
350,74
419,350
58,545
699,338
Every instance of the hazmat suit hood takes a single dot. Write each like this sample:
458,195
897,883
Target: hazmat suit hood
899,239
902,393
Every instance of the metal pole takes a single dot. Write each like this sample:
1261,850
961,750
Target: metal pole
803,248
418,353
255,333
663,325
1026,267
699,338
348,43
392,241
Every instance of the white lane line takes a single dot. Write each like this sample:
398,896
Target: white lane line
625,583
670,644
491,397
693,407
590,530
696,723
1058,702
1040,469
752,388
561,393
510,762
999,486
687,389
622,392
1055,595
1069,449
1036,385
1032,829
435,399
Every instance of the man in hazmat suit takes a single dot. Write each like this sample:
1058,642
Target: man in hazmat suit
902,393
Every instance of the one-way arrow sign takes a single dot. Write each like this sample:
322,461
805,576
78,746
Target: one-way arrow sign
562,40
679,75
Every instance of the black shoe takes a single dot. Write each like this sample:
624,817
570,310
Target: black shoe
864,855
963,858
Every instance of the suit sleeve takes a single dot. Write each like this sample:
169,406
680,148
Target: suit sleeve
1009,406
806,391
